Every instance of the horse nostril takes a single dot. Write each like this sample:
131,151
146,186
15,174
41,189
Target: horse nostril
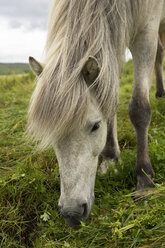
85,210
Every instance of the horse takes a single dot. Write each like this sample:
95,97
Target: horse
159,64
73,107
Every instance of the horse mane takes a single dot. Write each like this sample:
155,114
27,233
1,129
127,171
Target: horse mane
77,30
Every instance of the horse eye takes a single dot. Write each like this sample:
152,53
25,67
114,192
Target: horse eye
95,126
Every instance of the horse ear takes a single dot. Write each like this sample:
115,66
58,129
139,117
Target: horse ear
90,70
36,67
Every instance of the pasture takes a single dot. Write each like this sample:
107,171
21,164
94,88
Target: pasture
30,183
17,68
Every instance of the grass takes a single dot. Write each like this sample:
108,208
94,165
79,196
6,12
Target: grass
30,183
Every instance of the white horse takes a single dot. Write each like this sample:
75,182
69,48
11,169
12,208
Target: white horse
73,107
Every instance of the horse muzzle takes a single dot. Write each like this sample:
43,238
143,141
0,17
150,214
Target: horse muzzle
74,212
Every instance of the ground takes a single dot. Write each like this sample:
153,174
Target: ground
30,184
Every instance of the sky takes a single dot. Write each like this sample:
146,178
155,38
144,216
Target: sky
23,26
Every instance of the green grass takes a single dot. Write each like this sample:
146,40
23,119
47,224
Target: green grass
30,183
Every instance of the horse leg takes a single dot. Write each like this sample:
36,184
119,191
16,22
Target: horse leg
144,53
159,70
111,151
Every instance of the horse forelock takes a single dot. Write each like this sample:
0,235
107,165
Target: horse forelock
77,30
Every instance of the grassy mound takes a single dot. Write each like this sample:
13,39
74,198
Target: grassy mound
30,183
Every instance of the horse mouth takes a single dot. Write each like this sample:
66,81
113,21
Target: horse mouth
73,221
74,217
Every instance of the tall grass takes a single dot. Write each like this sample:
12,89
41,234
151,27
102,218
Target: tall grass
30,183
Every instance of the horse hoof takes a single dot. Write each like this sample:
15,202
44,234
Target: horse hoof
103,168
144,182
142,195
160,94
106,165
144,189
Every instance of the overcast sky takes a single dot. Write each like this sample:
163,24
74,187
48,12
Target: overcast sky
22,29
23,26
